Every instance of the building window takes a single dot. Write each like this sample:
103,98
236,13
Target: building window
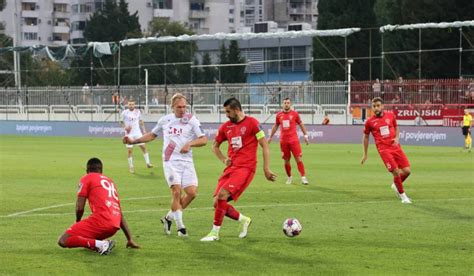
163,4
231,11
299,54
60,7
231,20
78,26
75,8
30,21
30,36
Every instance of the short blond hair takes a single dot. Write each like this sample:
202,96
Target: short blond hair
176,97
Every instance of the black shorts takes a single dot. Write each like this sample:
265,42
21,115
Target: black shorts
465,130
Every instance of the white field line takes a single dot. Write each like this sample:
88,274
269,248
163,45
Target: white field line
128,199
254,206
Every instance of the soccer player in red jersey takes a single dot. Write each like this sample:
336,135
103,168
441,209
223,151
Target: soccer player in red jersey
289,141
384,128
243,134
106,216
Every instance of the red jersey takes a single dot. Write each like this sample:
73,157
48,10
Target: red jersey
243,141
287,122
103,198
383,130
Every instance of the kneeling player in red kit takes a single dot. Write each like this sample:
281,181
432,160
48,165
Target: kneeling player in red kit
106,218
384,128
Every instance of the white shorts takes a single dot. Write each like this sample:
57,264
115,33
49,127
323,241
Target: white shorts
134,136
180,173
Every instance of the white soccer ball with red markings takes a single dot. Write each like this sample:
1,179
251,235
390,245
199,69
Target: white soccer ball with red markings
292,227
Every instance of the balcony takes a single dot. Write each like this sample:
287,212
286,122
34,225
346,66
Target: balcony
61,29
29,13
29,28
60,43
199,14
168,13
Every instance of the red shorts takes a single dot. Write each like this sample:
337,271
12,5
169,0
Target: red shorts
92,228
394,158
235,180
288,148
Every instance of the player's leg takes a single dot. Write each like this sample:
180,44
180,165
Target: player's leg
146,156
398,185
230,188
298,154
469,141
88,234
177,209
189,182
392,167
402,163
130,158
286,156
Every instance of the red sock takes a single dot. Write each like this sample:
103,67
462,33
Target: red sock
301,168
78,241
221,210
232,213
404,176
398,182
288,169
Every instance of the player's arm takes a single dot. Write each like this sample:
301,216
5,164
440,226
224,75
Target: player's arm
124,226
80,203
199,142
365,143
269,175
149,136
216,149
305,133
274,129
397,136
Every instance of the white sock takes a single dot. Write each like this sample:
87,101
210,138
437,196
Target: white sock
216,228
178,218
130,162
147,158
99,244
242,217
169,215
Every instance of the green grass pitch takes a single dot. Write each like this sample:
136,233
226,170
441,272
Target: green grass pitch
352,221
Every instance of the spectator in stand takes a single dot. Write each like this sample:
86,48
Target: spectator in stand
438,99
325,120
86,94
396,100
377,88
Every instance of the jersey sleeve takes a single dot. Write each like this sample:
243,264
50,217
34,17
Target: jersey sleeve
83,189
395,124
196,127
367,128
220,137
257,129
159,127
297,118
277,121
139,115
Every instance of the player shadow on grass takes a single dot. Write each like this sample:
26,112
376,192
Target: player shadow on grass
441,212
242,251
334,191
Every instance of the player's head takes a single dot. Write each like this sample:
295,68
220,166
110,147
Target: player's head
94,165
178,104
233,109
466,112
131,105
377,106
286,105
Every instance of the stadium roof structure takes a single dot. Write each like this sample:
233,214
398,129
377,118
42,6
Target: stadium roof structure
240,36
442,25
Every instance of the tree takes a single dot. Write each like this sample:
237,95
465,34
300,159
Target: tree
434,65
345,14
173,52
231,74
209,74
112,23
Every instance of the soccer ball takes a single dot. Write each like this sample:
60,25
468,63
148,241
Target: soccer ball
292,227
